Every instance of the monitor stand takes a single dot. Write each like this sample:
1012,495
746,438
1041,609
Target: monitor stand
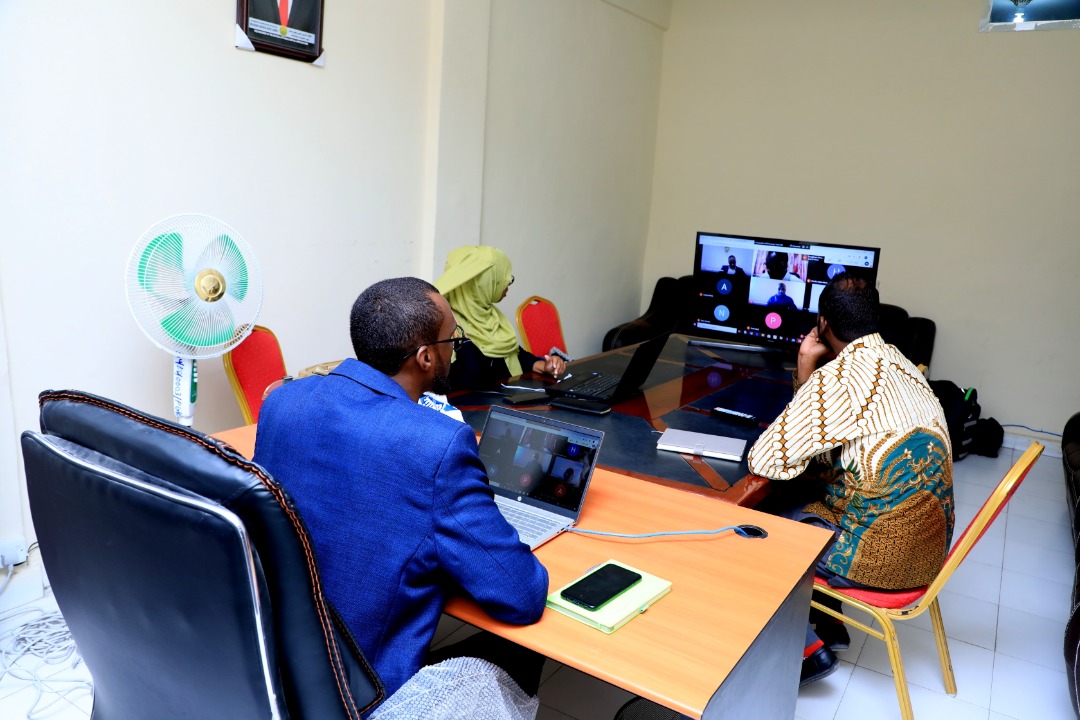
752,356
741,347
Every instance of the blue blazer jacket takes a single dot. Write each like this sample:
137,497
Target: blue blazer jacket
397,504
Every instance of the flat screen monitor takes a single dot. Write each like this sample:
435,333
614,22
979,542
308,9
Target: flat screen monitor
764,291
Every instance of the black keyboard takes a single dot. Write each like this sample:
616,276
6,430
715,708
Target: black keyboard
596,386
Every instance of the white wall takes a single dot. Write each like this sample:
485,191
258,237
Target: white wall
111,121
525,125
457,126
571,125
896,125
10,508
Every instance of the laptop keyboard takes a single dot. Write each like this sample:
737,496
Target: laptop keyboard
529,525
597,386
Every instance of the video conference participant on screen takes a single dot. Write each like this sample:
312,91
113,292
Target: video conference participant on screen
732,268
777,265
781,298
531,465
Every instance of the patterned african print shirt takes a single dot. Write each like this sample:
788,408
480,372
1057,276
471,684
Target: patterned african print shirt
877,436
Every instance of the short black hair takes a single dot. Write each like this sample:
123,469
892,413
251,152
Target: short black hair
390,318
851,306
776,264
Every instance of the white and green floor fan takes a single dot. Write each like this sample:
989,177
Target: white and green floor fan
196,291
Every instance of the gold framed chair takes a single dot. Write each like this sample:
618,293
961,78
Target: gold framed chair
539,326
890,606
252,367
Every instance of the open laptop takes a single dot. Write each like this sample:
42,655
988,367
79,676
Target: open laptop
539,469
607,388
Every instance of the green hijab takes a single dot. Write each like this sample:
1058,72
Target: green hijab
473,280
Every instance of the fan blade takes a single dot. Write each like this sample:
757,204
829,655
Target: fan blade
200,324
161,265
223,255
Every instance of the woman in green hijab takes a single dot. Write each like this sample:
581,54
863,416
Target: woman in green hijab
475,278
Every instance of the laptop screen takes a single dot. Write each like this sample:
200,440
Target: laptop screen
538,460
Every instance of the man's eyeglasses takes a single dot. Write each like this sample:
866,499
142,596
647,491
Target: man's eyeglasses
458,338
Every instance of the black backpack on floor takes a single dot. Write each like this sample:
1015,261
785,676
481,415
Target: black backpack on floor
961,414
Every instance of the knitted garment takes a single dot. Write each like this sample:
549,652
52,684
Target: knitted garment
878,438
460,687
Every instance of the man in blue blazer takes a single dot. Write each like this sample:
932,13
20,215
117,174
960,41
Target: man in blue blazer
393,493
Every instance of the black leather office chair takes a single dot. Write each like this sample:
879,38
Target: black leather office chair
668,311
913,336
184,572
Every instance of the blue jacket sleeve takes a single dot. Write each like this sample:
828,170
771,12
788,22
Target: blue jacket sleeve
477,547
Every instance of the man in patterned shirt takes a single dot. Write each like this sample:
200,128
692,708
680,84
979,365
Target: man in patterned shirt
865,438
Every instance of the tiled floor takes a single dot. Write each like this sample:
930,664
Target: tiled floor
53,688
1005,612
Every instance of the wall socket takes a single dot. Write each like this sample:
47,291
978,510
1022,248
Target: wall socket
12,551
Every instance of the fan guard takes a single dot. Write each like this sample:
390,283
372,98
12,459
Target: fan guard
194,286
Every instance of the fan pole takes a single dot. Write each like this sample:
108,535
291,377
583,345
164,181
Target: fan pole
184,389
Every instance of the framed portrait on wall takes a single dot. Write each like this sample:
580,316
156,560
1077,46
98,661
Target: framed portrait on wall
290,28
1030,15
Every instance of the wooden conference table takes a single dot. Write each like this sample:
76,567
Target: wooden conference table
727,640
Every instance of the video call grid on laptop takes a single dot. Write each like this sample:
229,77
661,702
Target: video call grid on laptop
619,387
539,469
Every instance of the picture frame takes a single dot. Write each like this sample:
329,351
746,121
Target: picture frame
1015,15
289,28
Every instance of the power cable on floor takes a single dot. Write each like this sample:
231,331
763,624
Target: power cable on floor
28,649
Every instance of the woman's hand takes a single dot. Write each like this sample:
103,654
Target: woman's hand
551,365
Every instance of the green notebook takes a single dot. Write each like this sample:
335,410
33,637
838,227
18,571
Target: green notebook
620,610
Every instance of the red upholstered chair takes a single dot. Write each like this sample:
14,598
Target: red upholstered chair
888,606
539,326
252,366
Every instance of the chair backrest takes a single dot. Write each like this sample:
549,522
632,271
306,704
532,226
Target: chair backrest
668,311
921,334
893,325
913,336
184,572
539,326
986,515
252,366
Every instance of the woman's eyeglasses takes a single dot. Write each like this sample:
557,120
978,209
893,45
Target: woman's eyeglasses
458,338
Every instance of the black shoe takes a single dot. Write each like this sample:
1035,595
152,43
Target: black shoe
822,663
834,635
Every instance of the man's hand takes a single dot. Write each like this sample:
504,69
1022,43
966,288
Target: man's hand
551,364
812,350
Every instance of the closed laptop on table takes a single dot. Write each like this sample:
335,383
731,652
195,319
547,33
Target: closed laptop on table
705,444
